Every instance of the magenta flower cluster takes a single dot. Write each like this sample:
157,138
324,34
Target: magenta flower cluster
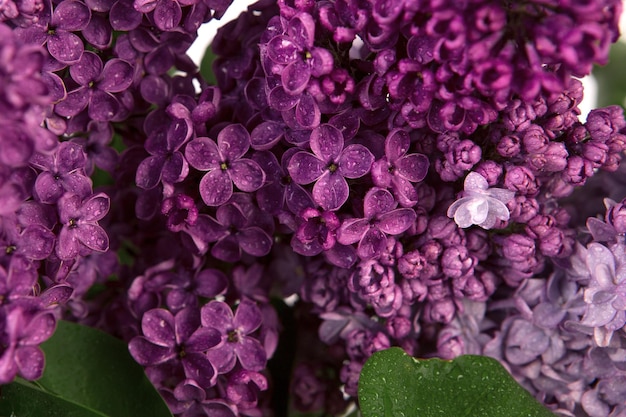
377,173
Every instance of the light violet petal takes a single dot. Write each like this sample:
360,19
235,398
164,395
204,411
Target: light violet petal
94,237
330,191
248,317
352,230
217,315
158,326
397,144
501,194
30,361
295,77
117,76
266,135
149,172
372,244
198,367
233,141
251,354
66,47
378,201
307,112
397,221
216,188
355,161
175,168
147,353
202,154
326,142
280,100
95,208
247,175
413,167
304,168
167,14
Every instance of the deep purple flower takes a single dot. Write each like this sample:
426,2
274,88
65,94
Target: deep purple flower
80,230
166,162
329,165
382,218
63,171
97,85
177,338
236,330
24,327
398,170
316,233
279,190
234,232
244,387
56,29
225,164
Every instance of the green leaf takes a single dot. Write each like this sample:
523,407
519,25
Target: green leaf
206,67
92,371
393,384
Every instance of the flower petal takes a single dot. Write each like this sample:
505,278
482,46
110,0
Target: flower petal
216,188
158,327
202,154
331,191
397,221
327,142
247,175
233,142
413,167
248,317
251,354
217,315
355,161
372,244
254,241
378,201
304,168
352,230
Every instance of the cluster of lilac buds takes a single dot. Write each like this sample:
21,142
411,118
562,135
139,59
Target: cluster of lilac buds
379,172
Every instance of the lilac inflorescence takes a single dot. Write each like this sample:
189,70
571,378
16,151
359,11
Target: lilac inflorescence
389,173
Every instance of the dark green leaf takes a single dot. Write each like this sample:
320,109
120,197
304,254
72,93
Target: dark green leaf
93,371
22,399
206,67
393,384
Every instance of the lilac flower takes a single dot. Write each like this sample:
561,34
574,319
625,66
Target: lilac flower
224,164
605,295
234,232
177,338
279,189
63,171
25,326
398,170
33,242
56,30
382,218
329,165
480,205
238,344
97,85
80,230
166,162
316,233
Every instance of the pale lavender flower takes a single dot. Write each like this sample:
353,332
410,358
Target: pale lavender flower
480,205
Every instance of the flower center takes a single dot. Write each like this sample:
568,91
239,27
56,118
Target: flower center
224,166
10,249
72,223
233,336
332,167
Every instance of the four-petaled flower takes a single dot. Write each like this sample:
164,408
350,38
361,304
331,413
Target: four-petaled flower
236,330
329,166
398,170
480,205
382,218
225,165
80,225
170,338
